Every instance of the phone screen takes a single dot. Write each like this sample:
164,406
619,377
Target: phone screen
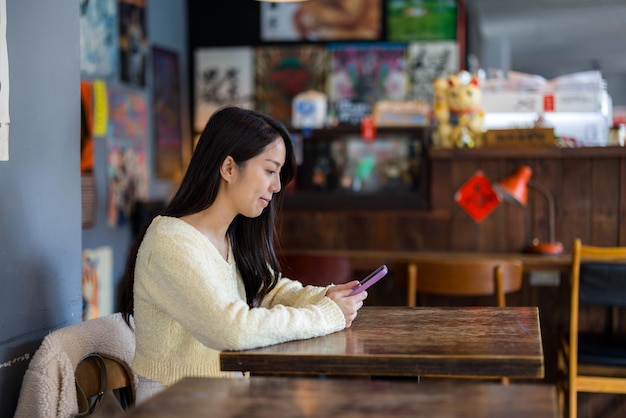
372,278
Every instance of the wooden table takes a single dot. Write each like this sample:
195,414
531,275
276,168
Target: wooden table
271,397
400,341
369,259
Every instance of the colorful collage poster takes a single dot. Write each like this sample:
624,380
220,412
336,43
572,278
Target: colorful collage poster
133,41
127,165
281,72
428,61
223,76
166,105
98,40
328,20
361,74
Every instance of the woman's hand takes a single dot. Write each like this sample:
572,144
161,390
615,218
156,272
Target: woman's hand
349,305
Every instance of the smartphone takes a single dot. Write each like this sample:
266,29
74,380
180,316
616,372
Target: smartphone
372,278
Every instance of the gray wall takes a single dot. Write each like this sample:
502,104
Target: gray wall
40,217
40,207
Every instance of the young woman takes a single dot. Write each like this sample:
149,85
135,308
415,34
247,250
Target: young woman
204,277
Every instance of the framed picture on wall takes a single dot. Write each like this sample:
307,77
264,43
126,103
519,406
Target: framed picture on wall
133,41
360,74
282,72
427,61
329,20
167,113
422,20
223,76
98,45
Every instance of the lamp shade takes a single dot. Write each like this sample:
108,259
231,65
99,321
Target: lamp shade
515,187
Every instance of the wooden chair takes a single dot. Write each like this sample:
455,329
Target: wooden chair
454,277
97,374
317,270
593,361
465,277
63,366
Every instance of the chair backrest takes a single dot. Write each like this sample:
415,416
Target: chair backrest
317,270
465,277
119,377
598,277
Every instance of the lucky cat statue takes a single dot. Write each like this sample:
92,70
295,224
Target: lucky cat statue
457,111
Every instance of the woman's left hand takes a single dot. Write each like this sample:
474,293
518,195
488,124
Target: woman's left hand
349,305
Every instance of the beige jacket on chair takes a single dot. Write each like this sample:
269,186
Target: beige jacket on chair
48,388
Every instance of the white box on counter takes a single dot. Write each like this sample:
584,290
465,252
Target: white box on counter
507,101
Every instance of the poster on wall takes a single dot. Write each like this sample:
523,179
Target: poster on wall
223,76
361,74
281,72
133,42
87,178
4,85
98,40
428,61
421,20
128,115
329,20
97,279
127,180
166,108
127,166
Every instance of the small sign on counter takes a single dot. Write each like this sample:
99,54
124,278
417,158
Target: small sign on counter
522,137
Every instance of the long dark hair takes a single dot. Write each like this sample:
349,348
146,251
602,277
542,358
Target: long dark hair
241,134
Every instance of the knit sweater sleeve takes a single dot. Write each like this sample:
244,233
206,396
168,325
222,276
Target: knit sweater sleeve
184,278
293,293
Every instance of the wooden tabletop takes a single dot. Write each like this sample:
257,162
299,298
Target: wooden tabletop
400,341
369,259
271,397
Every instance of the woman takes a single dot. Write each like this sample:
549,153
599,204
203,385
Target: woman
204,277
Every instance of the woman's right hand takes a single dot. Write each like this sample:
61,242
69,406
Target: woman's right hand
349,305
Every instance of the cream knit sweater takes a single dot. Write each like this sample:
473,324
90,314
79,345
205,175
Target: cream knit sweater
190,304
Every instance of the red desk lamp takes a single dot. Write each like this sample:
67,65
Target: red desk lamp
515,189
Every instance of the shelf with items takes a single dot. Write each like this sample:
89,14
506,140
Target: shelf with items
338,169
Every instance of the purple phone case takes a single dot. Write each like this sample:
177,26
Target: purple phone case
372,278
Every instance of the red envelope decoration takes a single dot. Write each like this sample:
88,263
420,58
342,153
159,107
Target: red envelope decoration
477,197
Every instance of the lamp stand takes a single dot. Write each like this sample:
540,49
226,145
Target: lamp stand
552,247
545,248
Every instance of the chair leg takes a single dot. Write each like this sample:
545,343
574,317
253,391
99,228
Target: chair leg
572,402
561,386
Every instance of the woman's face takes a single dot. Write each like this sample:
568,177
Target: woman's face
258,179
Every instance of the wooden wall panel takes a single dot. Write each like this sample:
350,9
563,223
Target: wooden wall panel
589,188
366,230
605,202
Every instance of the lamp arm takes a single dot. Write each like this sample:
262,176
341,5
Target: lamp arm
546,193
